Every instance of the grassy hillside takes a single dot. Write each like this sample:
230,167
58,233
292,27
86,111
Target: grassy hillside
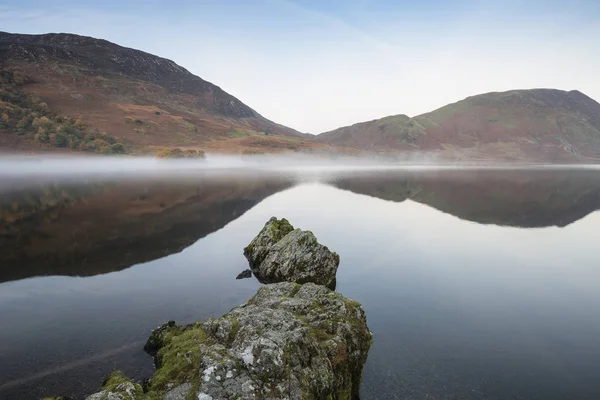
138,99
519,124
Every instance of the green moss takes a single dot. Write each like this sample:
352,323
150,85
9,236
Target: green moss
319,334
175,368
310,238
191,395
114,384
235,328
296,289
279,228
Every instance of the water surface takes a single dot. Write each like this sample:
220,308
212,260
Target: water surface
477,284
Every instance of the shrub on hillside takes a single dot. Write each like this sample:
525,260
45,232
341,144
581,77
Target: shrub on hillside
194,154
25,114
61,140
118,148
178,153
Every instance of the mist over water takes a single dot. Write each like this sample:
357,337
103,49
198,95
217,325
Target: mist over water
223,166
478,280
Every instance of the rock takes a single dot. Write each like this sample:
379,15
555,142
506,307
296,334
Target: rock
244,274
118,387
280,253
289,341
273,231
293,340
156,337
179,393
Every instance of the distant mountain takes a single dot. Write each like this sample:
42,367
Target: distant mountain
540,123
71,91
136,97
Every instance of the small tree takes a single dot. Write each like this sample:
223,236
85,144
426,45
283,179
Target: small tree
60,140
118,148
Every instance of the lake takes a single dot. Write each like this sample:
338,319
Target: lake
478,283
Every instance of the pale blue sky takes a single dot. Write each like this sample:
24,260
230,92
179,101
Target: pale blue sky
316,65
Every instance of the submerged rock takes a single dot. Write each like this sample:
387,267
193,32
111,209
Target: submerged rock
119,387
289,341
244,274
280,253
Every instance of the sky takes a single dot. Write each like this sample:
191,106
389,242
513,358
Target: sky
316,65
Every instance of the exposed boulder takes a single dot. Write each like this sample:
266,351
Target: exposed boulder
244,274
293,340
119,387
273,231
289,341
280,253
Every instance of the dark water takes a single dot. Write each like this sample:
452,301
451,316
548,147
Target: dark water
476,284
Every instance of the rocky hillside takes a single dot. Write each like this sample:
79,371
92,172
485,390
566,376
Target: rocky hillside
541,124
136,98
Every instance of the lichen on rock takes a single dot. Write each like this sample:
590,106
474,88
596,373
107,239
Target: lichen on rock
280,253
295,339
273,231
119,387
288,341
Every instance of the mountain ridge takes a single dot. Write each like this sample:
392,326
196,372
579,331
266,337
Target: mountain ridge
115,98
139,98
154,69
540,122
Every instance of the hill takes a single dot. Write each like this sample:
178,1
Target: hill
90,89
543,124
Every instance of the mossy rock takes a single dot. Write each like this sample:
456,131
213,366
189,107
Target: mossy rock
289,341
280,253
118,387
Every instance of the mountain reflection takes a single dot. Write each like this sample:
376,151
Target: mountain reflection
519,198
95,227
84,229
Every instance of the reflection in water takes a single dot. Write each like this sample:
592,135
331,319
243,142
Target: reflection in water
458,309
534,198
89,228
84,229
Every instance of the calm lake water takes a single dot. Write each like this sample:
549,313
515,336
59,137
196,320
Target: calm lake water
477,284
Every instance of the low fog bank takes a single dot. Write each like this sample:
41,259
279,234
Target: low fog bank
302,167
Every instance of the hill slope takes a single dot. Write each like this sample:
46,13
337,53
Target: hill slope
136,97
538,123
